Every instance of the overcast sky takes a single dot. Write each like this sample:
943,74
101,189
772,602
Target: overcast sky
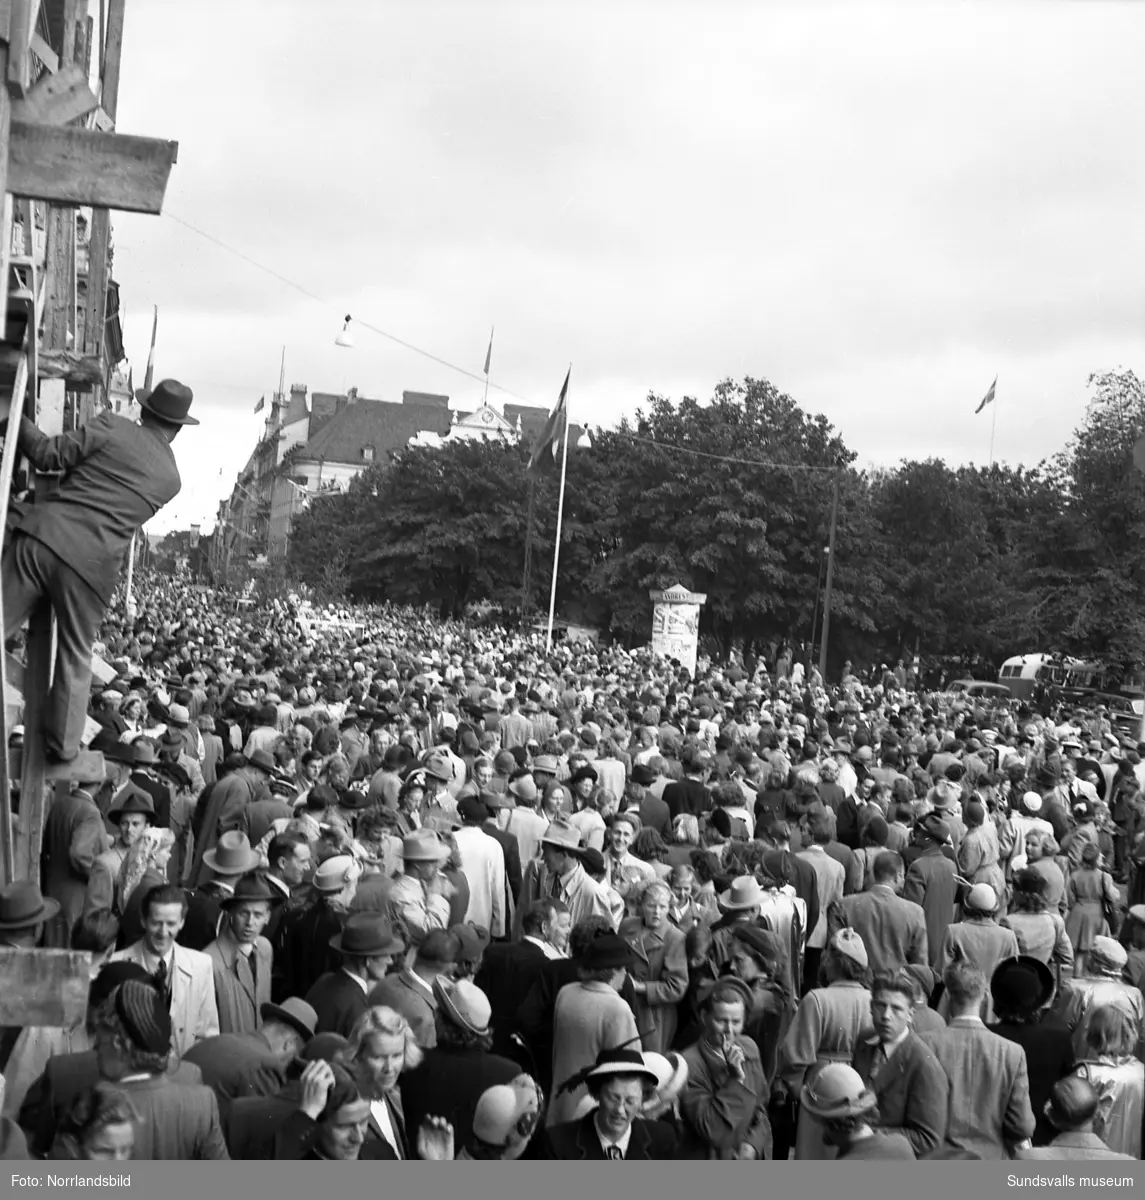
877,206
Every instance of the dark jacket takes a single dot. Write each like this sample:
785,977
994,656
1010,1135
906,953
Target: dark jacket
507,973
117,476
296,1136
655,814
228,1060
579,1141
912,1092
302,952
339,1001
511,848
448,1084
204,912
1049,1057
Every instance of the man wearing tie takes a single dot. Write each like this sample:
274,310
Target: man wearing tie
903,1073
184,977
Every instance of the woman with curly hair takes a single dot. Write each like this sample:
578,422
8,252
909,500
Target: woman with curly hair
382,1047
100,1127
1118,1076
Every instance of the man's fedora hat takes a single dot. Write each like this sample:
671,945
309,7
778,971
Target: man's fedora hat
424,846
366,935
233,855
293,1012
170,401
250,887
131,799
23,906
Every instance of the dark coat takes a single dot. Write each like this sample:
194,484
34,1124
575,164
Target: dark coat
578,1140
655,814
65,1078
204,912
1049,1057
785,867
228,1060
295,1138
74,838
160,795
448,1084
302,952
338,1000
507,974
912,1092
931,881
511,848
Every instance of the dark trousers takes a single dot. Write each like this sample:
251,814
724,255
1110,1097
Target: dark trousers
811,960
32,573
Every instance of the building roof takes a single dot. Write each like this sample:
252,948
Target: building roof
379,423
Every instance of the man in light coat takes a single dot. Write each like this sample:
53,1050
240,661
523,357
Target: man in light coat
989,1112
483,864
184,976
241,957
893,929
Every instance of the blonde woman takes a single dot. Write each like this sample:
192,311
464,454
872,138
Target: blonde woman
144,867
382,1046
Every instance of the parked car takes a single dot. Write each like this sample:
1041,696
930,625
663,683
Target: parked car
977,689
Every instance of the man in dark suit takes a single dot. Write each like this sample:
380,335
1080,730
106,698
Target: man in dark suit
893,929
74,838
368,946
230,1061
510,847
612,1131
509,970
903,1073
654,813
68,547
932,882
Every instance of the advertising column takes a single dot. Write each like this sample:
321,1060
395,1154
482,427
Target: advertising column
676,624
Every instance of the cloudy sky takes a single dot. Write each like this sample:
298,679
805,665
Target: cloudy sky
878,206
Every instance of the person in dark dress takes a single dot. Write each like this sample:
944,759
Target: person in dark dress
1022,988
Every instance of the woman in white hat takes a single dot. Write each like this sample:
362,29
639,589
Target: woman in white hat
979,939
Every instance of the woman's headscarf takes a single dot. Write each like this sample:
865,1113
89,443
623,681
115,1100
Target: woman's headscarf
140,858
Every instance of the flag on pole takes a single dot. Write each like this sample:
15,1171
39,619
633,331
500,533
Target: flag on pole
489,354
988,398
553,434
149,376
260,405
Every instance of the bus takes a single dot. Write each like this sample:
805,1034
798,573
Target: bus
1038,678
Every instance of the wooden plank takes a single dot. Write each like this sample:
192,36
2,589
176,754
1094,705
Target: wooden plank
19,42
5,123
79,371
101,121
57,99
79,166
44,53
44,987
59,277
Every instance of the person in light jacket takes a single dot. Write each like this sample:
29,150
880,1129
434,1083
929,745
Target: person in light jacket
659,970
241,957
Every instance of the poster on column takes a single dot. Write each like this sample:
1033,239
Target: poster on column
676,624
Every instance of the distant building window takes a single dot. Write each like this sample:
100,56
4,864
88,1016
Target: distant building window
368,453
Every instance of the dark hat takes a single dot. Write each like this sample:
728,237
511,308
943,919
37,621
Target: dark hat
293,1012
253,886
727,981
324,1047
145,1016
470,808
643,775
473,939
607,950
365,935
591,859
1022,985
263,761
111,975
585,772
170,401
622,1062
935,828
762,942
131,799
111,747
23,906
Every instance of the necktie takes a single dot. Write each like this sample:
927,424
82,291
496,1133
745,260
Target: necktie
162,982
555,887
615,1154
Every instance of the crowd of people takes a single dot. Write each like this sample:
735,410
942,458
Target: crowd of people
382,886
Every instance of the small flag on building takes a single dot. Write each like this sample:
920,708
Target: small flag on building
988,398
553,434
260,405
489,354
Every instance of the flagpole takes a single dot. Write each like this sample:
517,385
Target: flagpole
129,604
560,521
488,359
993,426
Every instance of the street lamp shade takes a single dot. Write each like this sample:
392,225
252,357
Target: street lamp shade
345,339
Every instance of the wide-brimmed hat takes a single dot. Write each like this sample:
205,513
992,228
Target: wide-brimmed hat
131,799
1021,985
145,755
524,788
232,855
170,401
622,1062
837,1091
424,845
243,698
545,763
671,1071
464,1003
562,835
935,828
744,893
23,906
111,747
251,887
643,775
366,935
438,767
293,1012
585,772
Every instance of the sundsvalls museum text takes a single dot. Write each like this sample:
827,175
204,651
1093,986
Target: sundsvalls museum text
1070,1181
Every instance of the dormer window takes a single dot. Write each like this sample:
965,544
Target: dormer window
367,454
